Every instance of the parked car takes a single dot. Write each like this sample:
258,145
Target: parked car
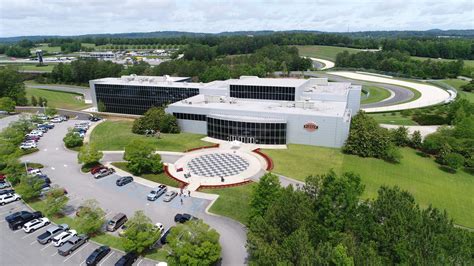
18,219
28,145
72,244
127,259
104,172
45,178
63,237
47,125
35,224
32,137
51,232
80,134
34,171
56,120
169,196
42,117
4,185
182,218
118,220
97,168
156,192
3,177
160,227
97,255
7,198
163,239
43,129
94,118
124,180
7,191
37,132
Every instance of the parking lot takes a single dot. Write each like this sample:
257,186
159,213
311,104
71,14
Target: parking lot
20,248
60,164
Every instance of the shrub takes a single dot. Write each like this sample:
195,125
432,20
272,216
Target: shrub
453,160
399,136
416,141
142,158
72,140
427,119
89,155
155,119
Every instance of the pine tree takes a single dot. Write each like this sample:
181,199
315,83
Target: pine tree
34,102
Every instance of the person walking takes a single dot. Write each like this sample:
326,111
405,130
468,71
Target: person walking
181,201
189,193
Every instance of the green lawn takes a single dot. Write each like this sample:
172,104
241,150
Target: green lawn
393,118
159,178
323,52
58,99
467,63
376,94
419,175
233,202
46,49
115,135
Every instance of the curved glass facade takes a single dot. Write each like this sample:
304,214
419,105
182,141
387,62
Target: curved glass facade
132,99
247,132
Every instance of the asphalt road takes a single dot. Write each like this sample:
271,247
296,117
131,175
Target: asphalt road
62,168
20,248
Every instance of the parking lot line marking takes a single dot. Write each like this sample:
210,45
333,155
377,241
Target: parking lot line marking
106,258
2,213
52,168
77,251
138,264
55,253
82,262
28,235
107,214
46,246
32,242
18,230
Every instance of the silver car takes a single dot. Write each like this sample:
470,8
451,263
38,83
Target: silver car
170,195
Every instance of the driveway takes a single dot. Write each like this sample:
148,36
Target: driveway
62,168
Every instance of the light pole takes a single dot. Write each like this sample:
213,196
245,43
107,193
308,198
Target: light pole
26,166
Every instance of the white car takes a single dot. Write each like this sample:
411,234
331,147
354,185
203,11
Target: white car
35,224
160,227
34,134
56,120
27,145
62,238
35,171
7,198
81,134
37,132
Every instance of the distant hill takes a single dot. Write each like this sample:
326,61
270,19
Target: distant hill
170,34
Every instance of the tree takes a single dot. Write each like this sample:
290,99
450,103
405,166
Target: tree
34,102
7,104
149,121
169,124
101,106
141,158
29,187
141,234
11,85
400,136
50,111
72,140
88,154
194,243
453,161
264,194
416,141
91,217
56,200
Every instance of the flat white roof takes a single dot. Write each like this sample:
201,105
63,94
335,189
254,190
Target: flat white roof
322,108
278,82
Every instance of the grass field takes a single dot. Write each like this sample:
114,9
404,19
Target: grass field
376,94
115,135
159,178
393,118
58,99
45,48
467,63
420,176
233,202
323,52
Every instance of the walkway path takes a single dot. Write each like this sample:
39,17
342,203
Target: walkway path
327,64
430,95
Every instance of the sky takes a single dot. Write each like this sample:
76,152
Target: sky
76,17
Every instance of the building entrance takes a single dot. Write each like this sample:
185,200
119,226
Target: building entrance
242,139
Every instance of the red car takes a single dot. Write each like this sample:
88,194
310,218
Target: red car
97,168
3,177
35,138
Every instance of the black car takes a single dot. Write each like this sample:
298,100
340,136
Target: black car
45,178
18,219
98,254
165,235
94,118
124,180
7,191
182,218
127,259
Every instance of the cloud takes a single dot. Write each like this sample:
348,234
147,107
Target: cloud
74,17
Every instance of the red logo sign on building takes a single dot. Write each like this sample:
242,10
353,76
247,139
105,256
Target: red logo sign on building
310,127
